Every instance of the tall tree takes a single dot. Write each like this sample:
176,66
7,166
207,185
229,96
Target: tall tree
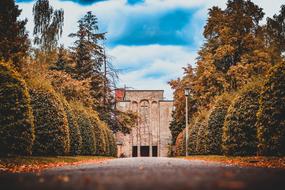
63,61
88,53
276,32
91,63
14,43
48,25
178,123
234,53
235,42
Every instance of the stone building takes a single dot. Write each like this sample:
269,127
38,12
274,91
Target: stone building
151,136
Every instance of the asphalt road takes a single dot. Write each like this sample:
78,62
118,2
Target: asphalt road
148,173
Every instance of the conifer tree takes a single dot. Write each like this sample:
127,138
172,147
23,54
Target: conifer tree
87,51
63,62
14,43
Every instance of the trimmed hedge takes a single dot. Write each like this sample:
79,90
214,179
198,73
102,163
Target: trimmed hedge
201,142
271,113
193,136
86,129
113,145
239,131
97,138
16,117
107,142
180,144
100,141
51,127
74,131
215,124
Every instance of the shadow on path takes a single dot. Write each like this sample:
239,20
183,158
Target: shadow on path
148,173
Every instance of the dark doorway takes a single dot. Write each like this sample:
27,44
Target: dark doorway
135,151
145,151
154,151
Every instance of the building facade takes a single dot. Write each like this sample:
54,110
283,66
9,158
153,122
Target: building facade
151,136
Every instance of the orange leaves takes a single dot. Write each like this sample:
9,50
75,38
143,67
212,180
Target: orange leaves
75,90
225,50
253,161
9,165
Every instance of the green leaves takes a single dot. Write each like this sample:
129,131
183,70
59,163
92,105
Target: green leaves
271,114
16,116
238,51
51,125
14,42
216,122
239,131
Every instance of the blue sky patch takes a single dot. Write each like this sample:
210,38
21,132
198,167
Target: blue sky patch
88,2
24,1
154,75
85,2
168,28
133,2
81,2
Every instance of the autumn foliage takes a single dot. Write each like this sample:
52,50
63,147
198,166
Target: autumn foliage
59,102
236,106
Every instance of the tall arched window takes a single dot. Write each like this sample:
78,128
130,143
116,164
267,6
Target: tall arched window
144,115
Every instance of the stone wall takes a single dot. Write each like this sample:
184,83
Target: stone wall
153,123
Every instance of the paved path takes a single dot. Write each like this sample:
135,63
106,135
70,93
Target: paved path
148,173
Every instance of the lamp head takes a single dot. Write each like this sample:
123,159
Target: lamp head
187,91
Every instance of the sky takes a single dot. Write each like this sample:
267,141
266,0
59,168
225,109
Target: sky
148,41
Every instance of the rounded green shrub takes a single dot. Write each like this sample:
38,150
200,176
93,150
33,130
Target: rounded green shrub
180,144
193,136
201,142
239,131
74,131
107,142
86,129
51,126
113,145
271,113
16,117
100,141
215,124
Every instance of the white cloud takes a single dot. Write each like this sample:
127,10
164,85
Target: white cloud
113,16
167,61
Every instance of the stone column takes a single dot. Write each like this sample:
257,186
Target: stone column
139,142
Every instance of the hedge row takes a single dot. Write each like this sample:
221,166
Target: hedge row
252,123
51,126
271,114
216,122
16,117
239,133
180,144
37,120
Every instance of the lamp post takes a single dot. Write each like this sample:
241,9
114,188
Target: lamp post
187,93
